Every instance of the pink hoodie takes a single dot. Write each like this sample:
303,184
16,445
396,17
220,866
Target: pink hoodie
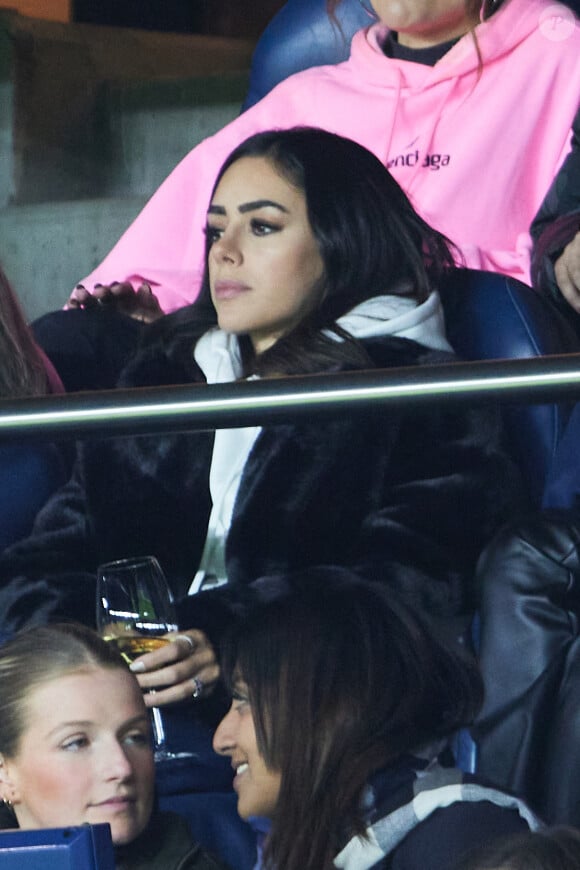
474,146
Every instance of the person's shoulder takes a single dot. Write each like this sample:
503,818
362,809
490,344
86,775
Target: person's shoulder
166,844
153,366
536,25
192,855
450,831
297,94
198,859
298,87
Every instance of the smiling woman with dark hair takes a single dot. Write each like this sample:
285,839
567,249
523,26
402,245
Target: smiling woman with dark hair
342,703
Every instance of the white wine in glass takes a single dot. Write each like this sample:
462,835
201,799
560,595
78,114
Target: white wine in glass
134,610
132,647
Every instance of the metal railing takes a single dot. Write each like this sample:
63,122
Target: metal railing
263,402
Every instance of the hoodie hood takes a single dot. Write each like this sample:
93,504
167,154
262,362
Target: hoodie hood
399,316
510,26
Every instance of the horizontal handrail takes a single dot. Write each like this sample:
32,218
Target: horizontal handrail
268,401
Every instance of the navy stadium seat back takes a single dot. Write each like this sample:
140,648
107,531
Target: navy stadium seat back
490,316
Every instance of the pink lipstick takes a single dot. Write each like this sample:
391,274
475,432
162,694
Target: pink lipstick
229,289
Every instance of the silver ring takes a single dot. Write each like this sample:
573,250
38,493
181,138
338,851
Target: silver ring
197,688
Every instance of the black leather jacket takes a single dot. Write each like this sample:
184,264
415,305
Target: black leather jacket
558,219
529,727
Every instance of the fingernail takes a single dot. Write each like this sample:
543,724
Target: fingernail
80,287
137,667
98,285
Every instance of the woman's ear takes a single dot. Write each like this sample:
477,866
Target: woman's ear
8,790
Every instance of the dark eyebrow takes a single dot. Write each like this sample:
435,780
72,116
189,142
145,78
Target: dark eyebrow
261,203
248,206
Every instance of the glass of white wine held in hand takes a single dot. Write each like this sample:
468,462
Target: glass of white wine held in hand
134,611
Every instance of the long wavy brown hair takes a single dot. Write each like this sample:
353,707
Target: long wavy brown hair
342,681
370,238
22,371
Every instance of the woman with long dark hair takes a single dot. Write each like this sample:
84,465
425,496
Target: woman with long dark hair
343,703
315,262
432,87
370,241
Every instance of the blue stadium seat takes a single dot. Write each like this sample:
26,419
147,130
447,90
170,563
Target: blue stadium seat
302,35
490,316
29,474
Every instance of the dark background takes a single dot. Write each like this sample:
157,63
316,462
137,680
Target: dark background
241,18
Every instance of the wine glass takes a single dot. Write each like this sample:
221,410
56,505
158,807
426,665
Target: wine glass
134,610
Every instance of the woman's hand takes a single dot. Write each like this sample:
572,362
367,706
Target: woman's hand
567,271
141,304
183,669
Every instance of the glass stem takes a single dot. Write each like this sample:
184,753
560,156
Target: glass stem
158,729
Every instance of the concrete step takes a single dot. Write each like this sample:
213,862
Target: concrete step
47,248
80,104
154,124
92,119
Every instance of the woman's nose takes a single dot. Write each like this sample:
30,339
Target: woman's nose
226,249
116,763
224,737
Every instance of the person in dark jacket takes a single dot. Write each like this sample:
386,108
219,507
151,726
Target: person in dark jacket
556,232
342,704
75,748
556,272
529,656
316,262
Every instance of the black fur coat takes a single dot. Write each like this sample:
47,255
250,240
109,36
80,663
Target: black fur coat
406,498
